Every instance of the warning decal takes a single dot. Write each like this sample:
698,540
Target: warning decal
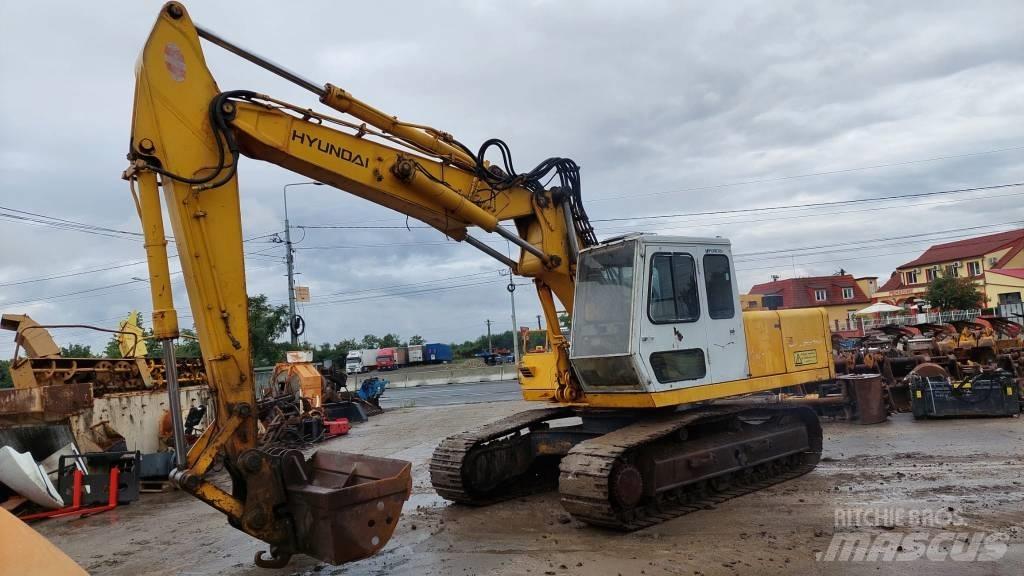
805,357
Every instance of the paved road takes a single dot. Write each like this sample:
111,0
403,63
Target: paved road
452,394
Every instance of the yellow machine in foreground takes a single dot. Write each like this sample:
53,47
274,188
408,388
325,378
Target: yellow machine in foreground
656,322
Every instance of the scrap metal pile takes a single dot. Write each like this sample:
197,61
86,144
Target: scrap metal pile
972,367
43,365
306,404
963,354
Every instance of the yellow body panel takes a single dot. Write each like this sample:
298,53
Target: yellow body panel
694,393
806,339
784,348
764,343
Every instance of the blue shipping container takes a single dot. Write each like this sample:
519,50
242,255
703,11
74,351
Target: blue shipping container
437,353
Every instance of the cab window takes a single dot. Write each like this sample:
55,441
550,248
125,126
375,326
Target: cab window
673,295
718,281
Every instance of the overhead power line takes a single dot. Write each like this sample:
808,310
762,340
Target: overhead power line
807,175
360,227
406,293
91,290
103,268
392,286
727,221
875,240
71,274
809,204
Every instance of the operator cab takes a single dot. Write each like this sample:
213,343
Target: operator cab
657,313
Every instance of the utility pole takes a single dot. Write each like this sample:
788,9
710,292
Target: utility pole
490,347
293,328
290,261
515,325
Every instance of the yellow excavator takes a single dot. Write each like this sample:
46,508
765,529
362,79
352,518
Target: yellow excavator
628,432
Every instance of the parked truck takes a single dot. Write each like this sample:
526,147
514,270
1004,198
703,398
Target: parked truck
437,353
392,358
416,354
359,361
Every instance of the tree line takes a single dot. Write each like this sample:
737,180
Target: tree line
269,323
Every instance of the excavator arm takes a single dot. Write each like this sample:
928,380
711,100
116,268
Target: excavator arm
187,138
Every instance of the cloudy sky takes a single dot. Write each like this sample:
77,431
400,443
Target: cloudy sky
669,107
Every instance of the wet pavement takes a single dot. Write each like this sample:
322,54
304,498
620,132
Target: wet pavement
954,485
451,394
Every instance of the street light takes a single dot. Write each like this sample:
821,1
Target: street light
290,260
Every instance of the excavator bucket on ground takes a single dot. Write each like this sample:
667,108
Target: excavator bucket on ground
345,506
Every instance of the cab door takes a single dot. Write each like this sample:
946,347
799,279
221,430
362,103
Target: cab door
727,344
673,340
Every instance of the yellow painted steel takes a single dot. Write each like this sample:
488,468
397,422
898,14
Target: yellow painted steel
764,343
165,317
784,348
170,126
302,377
787,341
342,101
131,341
705,392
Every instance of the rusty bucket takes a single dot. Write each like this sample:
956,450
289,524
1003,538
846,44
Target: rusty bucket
346,506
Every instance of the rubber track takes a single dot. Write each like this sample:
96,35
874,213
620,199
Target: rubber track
583,483
446,463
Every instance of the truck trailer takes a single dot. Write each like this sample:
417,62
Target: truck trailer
416,354
437,353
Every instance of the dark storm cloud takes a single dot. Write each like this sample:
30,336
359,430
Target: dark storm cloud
661,103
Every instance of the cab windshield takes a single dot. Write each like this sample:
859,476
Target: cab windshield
604,301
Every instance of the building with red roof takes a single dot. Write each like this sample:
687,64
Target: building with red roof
991,261
840,295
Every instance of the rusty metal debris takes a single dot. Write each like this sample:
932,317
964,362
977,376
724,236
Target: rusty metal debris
98,398
44,366
45,403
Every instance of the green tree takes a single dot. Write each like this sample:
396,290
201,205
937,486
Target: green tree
953,294
76,351
565,321
416,340
369,341
266,324
6,380
390,341
187,345
113,349
335,352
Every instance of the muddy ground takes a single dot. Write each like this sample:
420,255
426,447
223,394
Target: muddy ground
934,472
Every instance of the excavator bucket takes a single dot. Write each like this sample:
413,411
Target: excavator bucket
345,506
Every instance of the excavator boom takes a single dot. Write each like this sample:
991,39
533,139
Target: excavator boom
333,506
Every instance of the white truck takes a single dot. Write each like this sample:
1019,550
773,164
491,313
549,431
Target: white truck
359,361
